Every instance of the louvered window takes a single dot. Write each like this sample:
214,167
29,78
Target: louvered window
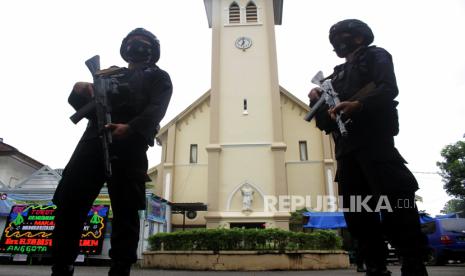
251,13
234,13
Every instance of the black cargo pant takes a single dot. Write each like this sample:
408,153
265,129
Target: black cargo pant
391,187
82,180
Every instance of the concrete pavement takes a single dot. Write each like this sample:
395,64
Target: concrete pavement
38,270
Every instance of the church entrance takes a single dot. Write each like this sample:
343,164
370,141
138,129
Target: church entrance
248,225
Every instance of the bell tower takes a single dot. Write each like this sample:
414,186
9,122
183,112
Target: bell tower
246,147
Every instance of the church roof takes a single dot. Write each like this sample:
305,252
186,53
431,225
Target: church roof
294,98
278,11
206,96
186,111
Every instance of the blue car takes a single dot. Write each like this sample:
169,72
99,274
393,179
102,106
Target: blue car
446,239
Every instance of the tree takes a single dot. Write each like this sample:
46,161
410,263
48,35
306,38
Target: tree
454,206
453,169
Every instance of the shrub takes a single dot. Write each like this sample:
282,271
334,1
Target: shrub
245,239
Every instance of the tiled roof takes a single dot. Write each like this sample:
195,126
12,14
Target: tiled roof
6,149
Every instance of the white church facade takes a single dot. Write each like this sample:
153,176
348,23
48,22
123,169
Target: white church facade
244,142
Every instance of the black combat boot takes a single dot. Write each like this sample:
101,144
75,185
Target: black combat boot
361,268
62,270
383,272
119,269
379,269
413,269
376,267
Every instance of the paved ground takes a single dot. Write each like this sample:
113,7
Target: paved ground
36,270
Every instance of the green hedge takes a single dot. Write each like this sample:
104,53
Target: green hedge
245,239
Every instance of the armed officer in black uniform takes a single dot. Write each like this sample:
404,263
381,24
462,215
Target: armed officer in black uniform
136,113
368,164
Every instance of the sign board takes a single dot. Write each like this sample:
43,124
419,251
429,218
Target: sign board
156,210
29,230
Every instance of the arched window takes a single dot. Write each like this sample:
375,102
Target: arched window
251,12
234,13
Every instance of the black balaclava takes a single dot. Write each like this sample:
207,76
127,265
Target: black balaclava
343,45
138,51
346,44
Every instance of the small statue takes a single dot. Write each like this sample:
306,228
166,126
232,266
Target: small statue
247,197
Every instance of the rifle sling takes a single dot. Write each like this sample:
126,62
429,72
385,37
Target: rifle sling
363,91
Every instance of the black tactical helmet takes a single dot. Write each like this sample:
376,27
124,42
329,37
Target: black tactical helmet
151,37
354,27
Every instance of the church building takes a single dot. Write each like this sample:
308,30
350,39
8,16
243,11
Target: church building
244,144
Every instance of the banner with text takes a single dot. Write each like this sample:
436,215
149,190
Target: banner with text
29,230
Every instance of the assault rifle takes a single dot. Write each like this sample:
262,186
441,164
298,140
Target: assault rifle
330,97
100,104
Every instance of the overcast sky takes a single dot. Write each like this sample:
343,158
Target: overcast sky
45,43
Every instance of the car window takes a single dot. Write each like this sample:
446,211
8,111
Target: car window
455,225
428,228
